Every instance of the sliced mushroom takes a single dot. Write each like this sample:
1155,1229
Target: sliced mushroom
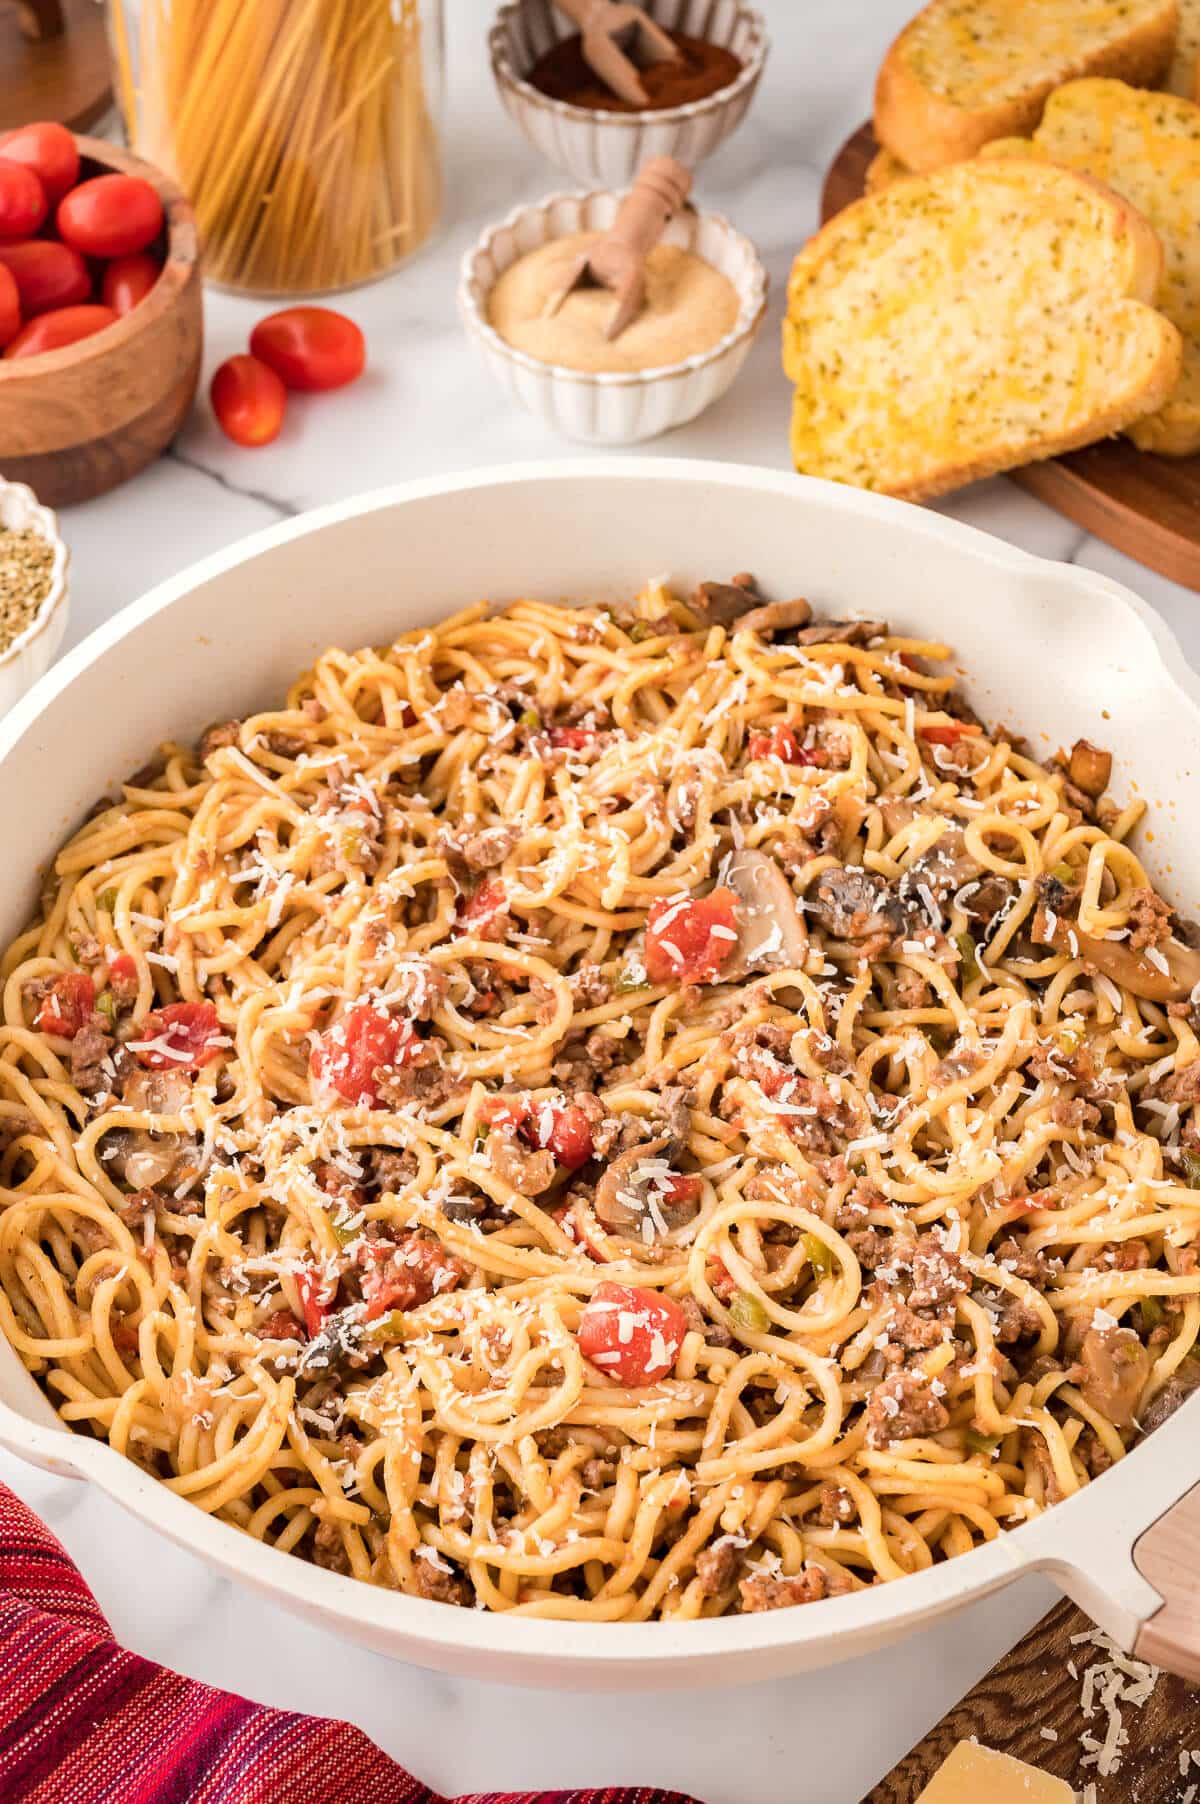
771,930
528,1171
157,1092
1137,972
725,602
944,868
842,632
777,616
852,903
1089,768
143,1160
632,1191
1116,1367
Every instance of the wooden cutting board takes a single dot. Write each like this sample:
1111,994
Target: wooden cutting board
1145,506
1030,1690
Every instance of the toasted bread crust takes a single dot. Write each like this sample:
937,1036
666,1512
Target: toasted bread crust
1128,284
1147,147
924,129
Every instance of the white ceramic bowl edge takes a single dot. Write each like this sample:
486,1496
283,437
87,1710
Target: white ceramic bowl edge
608,148
1051,647
32,653
611,409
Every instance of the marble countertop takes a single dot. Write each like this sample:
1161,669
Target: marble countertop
424,407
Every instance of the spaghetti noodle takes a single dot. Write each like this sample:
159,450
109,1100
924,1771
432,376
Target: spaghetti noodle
607,1115
300,130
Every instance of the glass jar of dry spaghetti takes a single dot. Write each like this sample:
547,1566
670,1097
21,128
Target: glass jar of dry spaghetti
304,131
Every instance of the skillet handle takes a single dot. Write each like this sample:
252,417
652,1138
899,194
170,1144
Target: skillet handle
1127,1548
1168,1554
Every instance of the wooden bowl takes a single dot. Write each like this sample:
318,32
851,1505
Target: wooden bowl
76,422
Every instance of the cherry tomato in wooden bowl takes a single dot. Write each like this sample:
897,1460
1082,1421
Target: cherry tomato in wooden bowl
22,201
65,326
310,348
47,274
10,307
110,215
49,149
128,280
249,400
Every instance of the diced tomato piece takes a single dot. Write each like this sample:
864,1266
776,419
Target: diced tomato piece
484,916
781,742
67,1006
683,1187
632,1335
405,1274
718,1276
349,1055
690,939
560,1128
951,733
188,1033
507,1113
570,1137
126,1338
572,739
283,1325
315,1298
123,978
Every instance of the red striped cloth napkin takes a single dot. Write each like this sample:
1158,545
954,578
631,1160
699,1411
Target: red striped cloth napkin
82,1721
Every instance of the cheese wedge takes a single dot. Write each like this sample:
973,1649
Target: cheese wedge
978,1775
964,71
963,322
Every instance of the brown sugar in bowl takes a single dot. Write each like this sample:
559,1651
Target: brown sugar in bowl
80,420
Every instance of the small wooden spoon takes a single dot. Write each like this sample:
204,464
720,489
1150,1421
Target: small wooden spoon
604,26
618,260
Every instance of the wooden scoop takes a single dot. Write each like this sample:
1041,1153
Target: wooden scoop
618,260
607,27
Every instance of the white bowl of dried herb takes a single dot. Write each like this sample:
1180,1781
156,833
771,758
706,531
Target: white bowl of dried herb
33,590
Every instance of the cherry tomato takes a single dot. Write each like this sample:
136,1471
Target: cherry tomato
781,742
50,151
690,938
65,326
249,401
47,274
310,347
405,1275
10,307
349,1055
128,280
110,215
23,204
633,1335
67,1006
186,1036
315,1298
949,734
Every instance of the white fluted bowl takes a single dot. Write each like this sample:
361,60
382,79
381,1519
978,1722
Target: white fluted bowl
32,653
609,148
611,407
